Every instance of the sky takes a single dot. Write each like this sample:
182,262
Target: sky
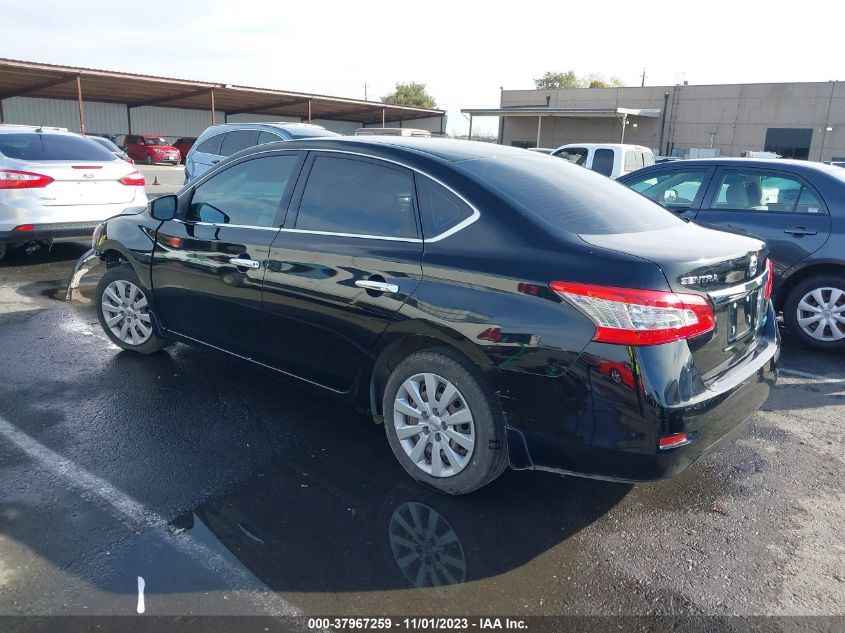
463,51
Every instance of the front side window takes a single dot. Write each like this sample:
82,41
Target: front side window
246,194
754,190
44,147
238,140
603,161
440,209
211,145
345,195
674,190
576,155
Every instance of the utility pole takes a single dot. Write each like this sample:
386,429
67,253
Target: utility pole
365,91
642,85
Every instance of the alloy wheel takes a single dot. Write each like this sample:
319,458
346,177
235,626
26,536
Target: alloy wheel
821,314
126,312
434,425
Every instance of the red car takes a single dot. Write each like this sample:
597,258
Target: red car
151,149
184,145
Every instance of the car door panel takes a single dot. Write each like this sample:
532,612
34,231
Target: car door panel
791,236
209,264
328,294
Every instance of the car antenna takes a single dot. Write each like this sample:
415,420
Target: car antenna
40,129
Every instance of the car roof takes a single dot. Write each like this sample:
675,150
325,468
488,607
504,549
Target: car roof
777,163
600,145
445,149
12,128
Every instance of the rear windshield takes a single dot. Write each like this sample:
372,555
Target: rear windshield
308,132
569,198
38,147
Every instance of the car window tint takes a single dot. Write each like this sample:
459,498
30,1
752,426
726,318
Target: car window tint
674,189
567,199
603,161
758,190
238,140
352,196
211,145
577,155
248,193
267,137
440,209
38,147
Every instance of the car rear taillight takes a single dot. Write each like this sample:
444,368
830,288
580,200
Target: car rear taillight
770,278
25,227
135,179
628,316
14,179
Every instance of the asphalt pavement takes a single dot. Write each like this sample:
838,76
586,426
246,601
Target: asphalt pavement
170,178
229,492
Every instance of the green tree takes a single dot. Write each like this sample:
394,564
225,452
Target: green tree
410,94
568,79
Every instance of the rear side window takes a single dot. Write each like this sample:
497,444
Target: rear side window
246,194
648,159
39,147
759,190
577,155
267,137
346,195
238,140
566,199
603,161
440,209
211,145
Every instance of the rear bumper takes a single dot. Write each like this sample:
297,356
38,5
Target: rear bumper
65,231
604,417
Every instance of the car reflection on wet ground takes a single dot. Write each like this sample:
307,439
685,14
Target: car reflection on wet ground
230,492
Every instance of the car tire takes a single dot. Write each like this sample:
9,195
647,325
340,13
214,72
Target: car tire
804,314
148,159
124,312
454,467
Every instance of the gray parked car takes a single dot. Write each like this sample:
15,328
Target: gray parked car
220,141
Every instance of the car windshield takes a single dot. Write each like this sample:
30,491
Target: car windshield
308,132
34,146
155,141
569,199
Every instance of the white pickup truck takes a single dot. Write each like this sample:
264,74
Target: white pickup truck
611,159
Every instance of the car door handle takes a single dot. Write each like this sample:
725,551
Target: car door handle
245,263
214,162
377,286
800,230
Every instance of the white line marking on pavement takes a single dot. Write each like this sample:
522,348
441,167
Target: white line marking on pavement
804,374
137,515
141,584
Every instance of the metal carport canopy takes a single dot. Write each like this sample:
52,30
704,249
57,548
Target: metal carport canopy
573,113
21,78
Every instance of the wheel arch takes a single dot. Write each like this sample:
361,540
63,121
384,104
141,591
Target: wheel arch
403,342
811,270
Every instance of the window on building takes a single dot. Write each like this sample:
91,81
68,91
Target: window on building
789,142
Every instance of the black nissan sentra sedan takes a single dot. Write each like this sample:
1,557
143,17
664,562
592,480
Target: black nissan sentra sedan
489,306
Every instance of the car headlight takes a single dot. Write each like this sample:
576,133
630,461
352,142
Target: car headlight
98,231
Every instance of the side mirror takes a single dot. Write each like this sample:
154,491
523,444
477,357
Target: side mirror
164,208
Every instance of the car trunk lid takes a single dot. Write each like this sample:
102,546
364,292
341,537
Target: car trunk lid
83,183
728,270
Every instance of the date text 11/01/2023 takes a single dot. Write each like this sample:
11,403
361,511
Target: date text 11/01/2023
418,624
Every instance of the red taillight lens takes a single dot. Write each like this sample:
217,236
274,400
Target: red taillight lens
25,227
135,179
770,278
628,316
14,179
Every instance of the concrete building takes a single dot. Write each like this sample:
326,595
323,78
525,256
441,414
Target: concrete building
108,102
796,120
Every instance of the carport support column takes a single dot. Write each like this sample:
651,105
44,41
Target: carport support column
469,134
384,117
212,106
81,107
539,127
309,110
624,123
